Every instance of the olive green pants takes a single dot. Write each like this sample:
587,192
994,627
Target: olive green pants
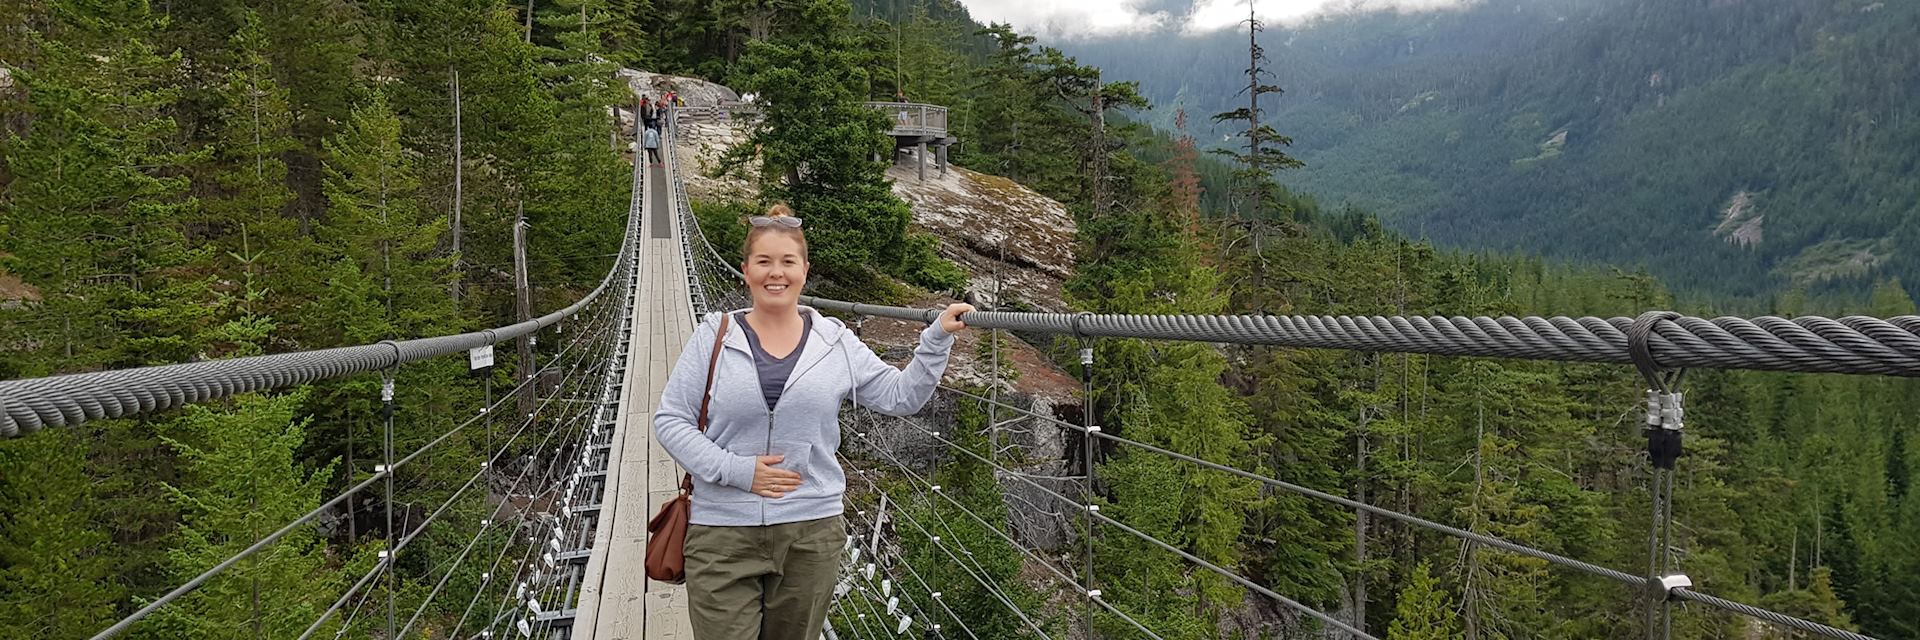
763,583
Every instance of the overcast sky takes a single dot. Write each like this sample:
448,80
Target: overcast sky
1072,19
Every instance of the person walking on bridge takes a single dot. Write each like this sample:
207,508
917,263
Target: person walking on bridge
766,534
652,142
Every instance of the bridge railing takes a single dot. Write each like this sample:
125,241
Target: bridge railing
1657,343
905,118
596,318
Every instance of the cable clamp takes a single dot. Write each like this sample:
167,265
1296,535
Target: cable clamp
1672,583
1093,593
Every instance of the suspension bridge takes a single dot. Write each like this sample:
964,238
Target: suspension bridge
582,473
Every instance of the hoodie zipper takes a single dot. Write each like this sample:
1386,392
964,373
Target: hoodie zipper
791,380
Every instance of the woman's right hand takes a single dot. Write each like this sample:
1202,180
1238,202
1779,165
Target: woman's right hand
771,482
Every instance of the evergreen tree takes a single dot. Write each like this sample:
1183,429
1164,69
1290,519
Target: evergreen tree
1259,196
1424,612
241,482
1817,603
816,146
58,572
246,200
379,232
97,209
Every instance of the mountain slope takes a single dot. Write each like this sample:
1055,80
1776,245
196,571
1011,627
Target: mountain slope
1732,146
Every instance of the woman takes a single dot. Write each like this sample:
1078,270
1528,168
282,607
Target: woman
764,546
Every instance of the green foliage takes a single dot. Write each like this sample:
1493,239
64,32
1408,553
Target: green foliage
241,480
96,209
1424,612
380,232
817,145
58,570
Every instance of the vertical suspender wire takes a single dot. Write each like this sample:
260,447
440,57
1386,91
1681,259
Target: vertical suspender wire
386,402
1654,598
1663,429
1667,561
1086,460
993,392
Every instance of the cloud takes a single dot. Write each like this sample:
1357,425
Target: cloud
1074,19
1214,15
1069,19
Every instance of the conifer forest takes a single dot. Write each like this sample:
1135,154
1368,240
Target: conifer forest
187,181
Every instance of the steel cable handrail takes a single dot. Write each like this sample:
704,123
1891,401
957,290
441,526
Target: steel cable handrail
924,585
1092,594
258,363
525,423
274,537
1808,344
65,400
982,580
995,589
1243,581
1638,582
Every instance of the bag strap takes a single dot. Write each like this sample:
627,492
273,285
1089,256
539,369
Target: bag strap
706,397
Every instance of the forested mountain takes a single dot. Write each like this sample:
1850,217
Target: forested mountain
190,181
1735,147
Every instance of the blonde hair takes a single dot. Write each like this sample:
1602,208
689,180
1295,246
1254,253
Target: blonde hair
778,210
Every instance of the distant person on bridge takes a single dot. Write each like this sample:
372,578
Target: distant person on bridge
653,145
766,536
649,116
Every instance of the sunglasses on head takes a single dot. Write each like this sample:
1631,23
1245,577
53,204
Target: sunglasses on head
789,222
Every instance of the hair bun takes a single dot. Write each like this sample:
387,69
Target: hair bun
779,210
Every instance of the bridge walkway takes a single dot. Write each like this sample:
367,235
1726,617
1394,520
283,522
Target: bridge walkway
617,601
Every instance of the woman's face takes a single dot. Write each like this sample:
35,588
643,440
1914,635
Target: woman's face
775,270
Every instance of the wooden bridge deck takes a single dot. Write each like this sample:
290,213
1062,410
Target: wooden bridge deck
617,601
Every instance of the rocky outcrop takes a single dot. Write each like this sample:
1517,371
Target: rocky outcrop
1741,223
1016,243
693,91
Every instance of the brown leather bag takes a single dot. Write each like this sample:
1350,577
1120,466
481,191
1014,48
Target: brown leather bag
667,531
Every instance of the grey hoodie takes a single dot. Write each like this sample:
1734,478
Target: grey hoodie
804,425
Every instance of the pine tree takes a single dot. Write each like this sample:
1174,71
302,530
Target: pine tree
247,200
571,195
58,571
96,212
242,481
1259,196
1817,602
1424,611
816,145
381,231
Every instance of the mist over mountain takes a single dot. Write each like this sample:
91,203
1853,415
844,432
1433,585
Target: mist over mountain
1733,147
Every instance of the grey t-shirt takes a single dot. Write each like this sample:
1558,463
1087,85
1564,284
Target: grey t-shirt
774,371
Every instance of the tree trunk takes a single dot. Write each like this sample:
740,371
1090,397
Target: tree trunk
1360,525
458,260
523,307
1253,102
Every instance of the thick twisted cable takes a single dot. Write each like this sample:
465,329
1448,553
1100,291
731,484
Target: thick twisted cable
67,400
1769,616
1809,344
